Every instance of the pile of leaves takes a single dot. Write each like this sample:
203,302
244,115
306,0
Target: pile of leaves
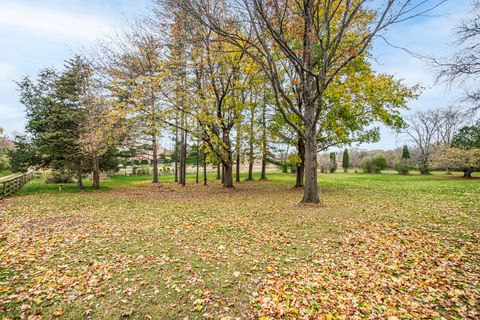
380,271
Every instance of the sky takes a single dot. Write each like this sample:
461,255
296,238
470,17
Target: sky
43,33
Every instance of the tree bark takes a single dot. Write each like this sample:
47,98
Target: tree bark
237,173
176,150
301,166
198,164
96,172
228,175
250,171
264,141
155,159
218,170
204,167
310,194
79,175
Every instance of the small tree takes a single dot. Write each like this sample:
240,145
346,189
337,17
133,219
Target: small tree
405,153
346,161
333,162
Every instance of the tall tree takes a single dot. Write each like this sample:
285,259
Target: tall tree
318,39
346,160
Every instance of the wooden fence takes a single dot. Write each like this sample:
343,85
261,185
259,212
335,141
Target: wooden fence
11,184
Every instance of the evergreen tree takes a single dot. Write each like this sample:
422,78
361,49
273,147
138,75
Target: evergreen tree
405,153
346,160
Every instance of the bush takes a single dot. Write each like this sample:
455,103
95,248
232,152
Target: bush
144,171
374,165
402,167
4,163
56,176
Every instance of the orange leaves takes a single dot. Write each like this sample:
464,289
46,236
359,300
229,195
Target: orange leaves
381,271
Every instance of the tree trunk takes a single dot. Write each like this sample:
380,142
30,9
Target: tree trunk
301,166
250,171
228,175
310,194
204,167
264,141
223,173
176,150
467,173
96,172
79,175
184,160
218,170
198,164
237,173
155,159
264,168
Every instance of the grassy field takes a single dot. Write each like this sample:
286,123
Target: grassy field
378,247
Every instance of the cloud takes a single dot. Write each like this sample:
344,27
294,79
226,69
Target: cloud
46,22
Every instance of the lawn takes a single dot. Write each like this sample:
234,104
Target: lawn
378,247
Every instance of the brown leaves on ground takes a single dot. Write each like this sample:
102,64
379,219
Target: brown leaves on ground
379,272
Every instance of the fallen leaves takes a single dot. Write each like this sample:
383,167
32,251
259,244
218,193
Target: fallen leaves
381,271
204,252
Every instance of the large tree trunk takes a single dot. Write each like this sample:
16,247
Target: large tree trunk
301,167
311,100
218,170
79,175
155,158
96,172
228,175
310,194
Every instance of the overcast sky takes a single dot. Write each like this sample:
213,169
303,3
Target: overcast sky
37,34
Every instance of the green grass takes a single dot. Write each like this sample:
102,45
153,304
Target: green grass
137,250
4,173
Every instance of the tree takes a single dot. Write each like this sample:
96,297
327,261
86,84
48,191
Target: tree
54,116
346,161
23,155
422,128
464,66
319,40
333,162
468,137
405,153
467,160
134,65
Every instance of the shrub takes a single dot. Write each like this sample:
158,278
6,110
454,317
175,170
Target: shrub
402,166
144,171
57,176
374,165
4,163
333,162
